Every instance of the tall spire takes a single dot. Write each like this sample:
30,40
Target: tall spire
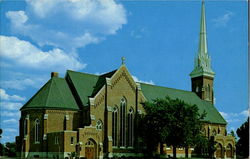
203,36
202,64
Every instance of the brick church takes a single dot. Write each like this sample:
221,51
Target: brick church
94,116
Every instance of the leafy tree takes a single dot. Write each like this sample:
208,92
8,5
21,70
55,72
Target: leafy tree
10,149
233,134
1,149
171,121
242,145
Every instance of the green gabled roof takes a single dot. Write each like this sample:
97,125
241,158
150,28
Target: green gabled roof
152,92
55,94
87,85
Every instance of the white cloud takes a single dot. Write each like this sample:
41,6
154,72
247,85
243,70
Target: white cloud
22,84
138,33
25,54
235,117
5,96
10,121
22,81
18,17
224,19
10,105
245,113
10,113
76,23
147,82
10,130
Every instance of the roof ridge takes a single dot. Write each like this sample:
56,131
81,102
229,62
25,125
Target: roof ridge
52,79
108,73
83,73
30,100
167,87
63,100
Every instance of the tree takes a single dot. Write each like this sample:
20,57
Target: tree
233,134
171,121
242,145
10,149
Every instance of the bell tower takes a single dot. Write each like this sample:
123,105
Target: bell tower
202,76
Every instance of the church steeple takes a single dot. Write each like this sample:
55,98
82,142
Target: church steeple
202,75
202,64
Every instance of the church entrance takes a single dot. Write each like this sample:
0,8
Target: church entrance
219,151
229,151
90,149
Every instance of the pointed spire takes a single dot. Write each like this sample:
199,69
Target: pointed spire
203,37
202,63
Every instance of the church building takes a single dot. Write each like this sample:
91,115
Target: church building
94,116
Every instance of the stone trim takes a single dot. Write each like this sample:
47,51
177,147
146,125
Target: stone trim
110,138
45,116
110,109
92,117
111,154
67,117
45,137
138,86
92,101
108,81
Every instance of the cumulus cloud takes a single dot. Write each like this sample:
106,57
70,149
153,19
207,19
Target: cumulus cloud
223,19
10,113
76,23
25,54
147,82
138,33
235,117
22,84
10,105
245,113
5,96
10,121
10,130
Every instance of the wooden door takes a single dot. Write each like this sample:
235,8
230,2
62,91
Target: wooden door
90,150
219,151
229,151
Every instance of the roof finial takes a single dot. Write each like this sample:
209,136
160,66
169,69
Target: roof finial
123,60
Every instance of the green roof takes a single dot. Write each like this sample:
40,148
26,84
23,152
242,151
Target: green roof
152,92
74,91
87,85
55,94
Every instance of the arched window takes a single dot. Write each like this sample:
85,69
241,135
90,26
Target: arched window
25,127
214,132
197,89
99,125
130,127
123,122
208,91
37,124
115,126
219,130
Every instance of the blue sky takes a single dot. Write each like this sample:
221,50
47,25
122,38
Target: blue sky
158,38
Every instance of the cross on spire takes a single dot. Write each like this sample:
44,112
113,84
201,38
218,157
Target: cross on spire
123,60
